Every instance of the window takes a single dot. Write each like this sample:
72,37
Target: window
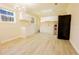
7,16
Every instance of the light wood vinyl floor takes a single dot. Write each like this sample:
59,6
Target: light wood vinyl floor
38,44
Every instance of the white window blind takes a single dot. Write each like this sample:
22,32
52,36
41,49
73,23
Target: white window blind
7,16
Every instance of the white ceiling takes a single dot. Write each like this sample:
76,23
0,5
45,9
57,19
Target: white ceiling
43,9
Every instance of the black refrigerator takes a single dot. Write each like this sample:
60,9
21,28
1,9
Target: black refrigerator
64,22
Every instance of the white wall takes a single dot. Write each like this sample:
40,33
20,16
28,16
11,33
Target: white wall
46,28
28,30
9,31
47,24
74,33
49,18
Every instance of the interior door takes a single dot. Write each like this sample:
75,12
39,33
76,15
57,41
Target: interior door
64,26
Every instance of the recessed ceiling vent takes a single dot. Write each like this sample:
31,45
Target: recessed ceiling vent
55,3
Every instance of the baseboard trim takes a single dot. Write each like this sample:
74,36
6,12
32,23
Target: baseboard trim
18,36
3,41
74,46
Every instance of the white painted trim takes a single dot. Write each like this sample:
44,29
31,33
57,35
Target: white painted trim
74,46
19,36
3,41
